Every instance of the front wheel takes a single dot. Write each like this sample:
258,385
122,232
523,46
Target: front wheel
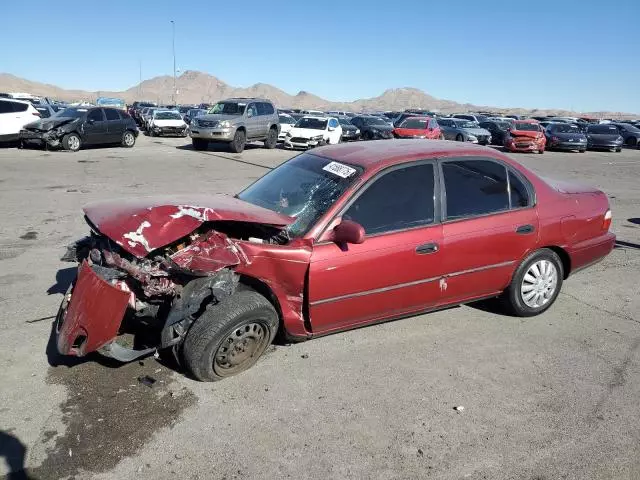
230,336
272,138
239,140
459,138
535,285
128,139
541,151
71,142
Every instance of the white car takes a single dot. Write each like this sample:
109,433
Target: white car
311,131
313,112
286,124
167,122
15,114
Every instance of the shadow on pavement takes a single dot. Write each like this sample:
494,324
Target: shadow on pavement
64,277
14,453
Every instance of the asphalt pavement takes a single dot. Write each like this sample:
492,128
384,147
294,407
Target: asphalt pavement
549,397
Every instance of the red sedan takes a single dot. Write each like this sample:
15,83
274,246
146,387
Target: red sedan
526,136
419,127
337,238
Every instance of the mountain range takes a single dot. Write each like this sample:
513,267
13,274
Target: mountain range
197,87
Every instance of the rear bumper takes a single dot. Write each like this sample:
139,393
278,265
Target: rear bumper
91,318
589,252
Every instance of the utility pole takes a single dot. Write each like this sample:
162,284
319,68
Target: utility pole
173,41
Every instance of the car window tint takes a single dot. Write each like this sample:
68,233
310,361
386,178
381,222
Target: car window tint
261,109
19,106
475,187
95,115
400,199
268,109
111,114
519,194
5,107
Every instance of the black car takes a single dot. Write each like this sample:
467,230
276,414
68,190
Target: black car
565,136
499,131
629,133
372,128
74,127
604,137
349,130
193,113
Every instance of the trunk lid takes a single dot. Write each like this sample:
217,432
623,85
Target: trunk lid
142,225
570,187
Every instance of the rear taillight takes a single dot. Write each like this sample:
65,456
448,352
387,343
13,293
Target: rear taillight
606,222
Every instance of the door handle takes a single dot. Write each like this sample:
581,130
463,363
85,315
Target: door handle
426,248
524,229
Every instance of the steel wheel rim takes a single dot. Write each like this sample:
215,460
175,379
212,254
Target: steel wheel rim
241,348
128,139
74,142
539,284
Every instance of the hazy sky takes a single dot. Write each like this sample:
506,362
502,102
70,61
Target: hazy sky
575,54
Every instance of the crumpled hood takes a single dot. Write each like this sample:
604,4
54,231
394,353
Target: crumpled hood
305,132
142,225
47,124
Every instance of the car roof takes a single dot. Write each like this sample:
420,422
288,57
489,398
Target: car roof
377,154
244,99
528,120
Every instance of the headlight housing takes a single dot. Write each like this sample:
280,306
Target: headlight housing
472,137
224,124
357,131
317,138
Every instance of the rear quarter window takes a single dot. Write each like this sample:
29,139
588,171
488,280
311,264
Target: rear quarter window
19,107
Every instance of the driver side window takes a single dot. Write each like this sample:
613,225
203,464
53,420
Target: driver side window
400,199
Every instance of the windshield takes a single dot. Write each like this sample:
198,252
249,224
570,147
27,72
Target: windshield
44,112
289,120
312,123
564,128
375,121
467,124
345,121
72,112
195,112
526,127
168,116
415,123
228,108
305,187
603,129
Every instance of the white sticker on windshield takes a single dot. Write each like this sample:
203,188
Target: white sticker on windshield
339,169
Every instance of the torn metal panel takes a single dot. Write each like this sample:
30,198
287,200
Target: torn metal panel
146,224
208,255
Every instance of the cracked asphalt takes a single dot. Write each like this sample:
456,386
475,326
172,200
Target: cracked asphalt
550,397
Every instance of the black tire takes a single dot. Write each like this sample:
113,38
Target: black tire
632,141
582,151
272,138
512,297
459,138
368,135
128,139
239,141
540,152
246,316
199,144
71,142
618,150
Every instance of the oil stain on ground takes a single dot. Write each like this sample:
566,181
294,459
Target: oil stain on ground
109,415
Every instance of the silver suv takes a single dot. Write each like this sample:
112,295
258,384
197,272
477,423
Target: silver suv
237,121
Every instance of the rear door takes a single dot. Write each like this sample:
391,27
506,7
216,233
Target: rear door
95,127
115,125
490,224
397,269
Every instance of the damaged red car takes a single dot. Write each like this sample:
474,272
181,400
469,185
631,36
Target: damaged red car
525,136
344,236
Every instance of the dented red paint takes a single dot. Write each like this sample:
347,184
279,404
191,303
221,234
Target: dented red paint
94,313
144,224
213,252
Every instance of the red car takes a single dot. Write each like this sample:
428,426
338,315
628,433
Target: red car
340,237
418,127
526,136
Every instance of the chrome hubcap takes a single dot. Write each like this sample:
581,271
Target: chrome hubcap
243,345
128,139
539,284
74,143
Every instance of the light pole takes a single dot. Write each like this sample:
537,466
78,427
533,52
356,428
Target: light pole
173,41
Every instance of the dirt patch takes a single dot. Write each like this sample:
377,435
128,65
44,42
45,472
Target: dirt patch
30,235
88,161
109,414
10,279
10,251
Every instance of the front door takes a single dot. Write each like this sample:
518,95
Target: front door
252,120
95,128
398,267
490,225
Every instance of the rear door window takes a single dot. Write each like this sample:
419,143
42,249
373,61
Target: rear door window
6,107
19,106
111,114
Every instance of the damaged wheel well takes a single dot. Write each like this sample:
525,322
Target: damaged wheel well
251,283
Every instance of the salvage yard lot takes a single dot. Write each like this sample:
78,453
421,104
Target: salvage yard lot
553,396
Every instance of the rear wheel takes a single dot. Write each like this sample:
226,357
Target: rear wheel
230,337
128,139
632,141
199,144
459,138
541,151
535,285
239,141
582,151
71,142
272,138
618,150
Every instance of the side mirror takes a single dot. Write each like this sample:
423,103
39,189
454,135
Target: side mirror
348,231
